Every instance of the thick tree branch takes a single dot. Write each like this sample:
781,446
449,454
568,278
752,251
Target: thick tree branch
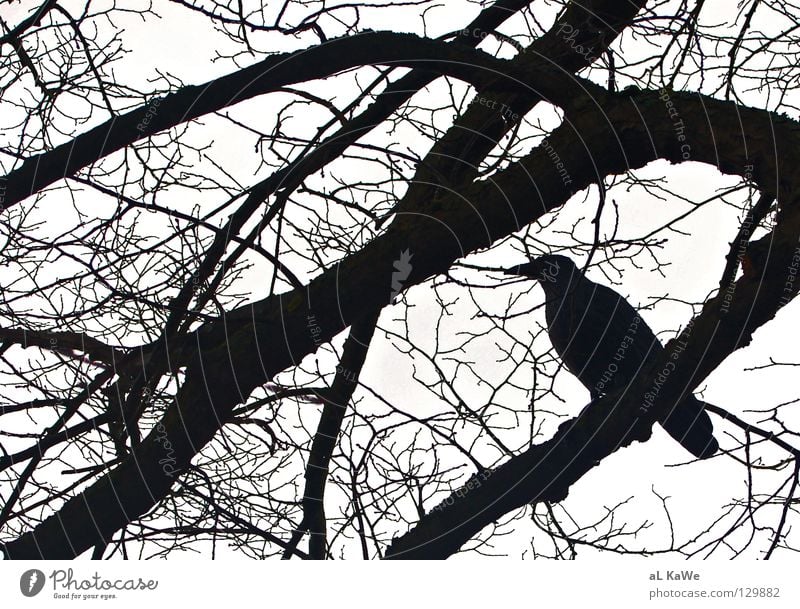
277,71
336,400
604,134
72,344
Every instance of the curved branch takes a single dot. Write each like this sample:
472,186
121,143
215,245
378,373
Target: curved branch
604,134
190,102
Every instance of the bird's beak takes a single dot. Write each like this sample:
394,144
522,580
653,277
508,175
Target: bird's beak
522,272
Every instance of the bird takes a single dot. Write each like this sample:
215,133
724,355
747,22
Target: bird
601,339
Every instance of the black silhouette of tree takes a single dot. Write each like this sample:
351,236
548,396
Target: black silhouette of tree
258,305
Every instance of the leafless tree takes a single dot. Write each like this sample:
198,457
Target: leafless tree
258,306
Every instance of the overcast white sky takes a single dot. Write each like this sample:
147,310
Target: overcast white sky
181,43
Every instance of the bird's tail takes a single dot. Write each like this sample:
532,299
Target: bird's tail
691,426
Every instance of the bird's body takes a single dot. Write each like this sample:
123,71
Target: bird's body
603,341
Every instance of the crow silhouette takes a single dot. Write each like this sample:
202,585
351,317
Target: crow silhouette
601,339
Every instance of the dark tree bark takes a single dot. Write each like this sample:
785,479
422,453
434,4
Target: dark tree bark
445,214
